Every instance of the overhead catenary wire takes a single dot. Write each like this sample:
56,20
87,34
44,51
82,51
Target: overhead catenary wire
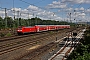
39,2
35,5
75,11
31,4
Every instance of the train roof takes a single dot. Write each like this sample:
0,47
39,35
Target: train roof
52,25
28,26
44,25
41,25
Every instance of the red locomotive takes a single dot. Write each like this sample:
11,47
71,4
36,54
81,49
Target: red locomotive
40,28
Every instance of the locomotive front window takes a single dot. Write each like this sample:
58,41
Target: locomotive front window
19,28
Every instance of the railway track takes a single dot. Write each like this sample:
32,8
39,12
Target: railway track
18,44
19,41
31,55
12,42
67,48
19,36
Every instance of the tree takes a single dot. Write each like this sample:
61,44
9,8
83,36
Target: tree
1,23
9,21
82,52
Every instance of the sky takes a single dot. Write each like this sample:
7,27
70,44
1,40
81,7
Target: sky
59,10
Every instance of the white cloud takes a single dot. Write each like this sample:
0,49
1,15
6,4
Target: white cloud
81,8
57,4
33,8
80,13
62,10
77,1
88,10
2,12
30,12
16,9
69,9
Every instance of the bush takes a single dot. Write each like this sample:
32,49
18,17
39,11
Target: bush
2,34
82,52
8,34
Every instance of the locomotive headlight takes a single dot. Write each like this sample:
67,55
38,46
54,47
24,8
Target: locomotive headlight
19,30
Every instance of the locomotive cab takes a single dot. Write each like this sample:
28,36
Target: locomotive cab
19,30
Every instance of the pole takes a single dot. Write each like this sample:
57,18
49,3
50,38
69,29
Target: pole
13,17
70,18
28,20
36,20
5,18
18,17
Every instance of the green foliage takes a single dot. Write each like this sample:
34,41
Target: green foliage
28,22
83,50
8,34
9,21
2,34
50,32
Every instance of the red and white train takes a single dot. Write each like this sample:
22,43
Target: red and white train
40,28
